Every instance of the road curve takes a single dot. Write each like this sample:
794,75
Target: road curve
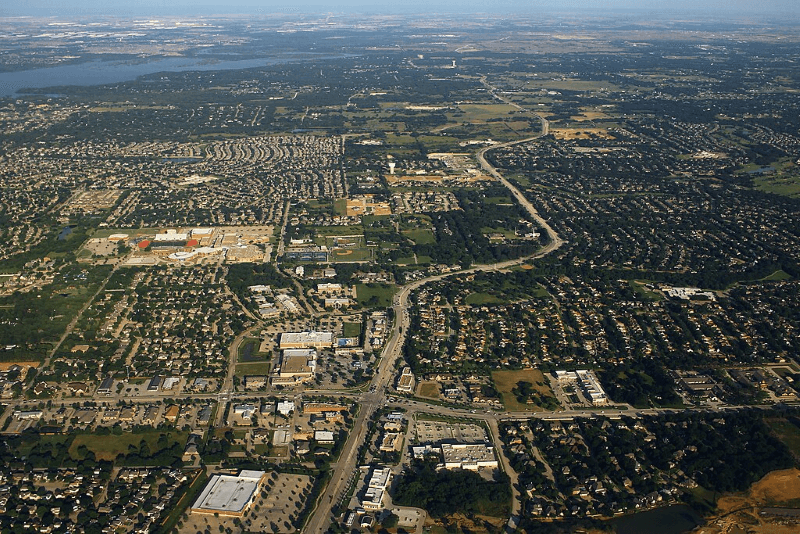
344,467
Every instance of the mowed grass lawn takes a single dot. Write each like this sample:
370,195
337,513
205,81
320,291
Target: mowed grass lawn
375,294
351,329
505,381
420,236
110,446
252,369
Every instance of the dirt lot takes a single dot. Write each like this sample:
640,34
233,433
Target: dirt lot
742,512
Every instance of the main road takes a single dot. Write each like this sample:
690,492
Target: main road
344,468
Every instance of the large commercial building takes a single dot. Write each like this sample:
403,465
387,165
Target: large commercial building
376,489
306,340
297,365
228,495
468,456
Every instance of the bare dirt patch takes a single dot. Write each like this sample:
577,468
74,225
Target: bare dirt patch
777,487
5,366
743,511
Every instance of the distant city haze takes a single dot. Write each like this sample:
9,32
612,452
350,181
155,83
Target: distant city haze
206,7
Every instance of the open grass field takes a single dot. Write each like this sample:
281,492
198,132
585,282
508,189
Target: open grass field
508,233
483,112
589,114
571,85
349,255
505,381
110,446
336,231
253,368
429,390
375,294
777,276
351,329
781,177
788,186
498,200
28,442
420,236
478,299
411,221
340,206
641,290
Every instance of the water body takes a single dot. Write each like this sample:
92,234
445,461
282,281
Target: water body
763,170
64,233
101,72
675,519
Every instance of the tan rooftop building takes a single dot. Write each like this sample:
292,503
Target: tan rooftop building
229,496
297,365
468,456
305,340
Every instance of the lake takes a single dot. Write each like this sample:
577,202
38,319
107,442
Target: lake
101,72
675,519
64,233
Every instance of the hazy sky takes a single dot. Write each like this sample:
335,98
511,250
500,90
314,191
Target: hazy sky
790,8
